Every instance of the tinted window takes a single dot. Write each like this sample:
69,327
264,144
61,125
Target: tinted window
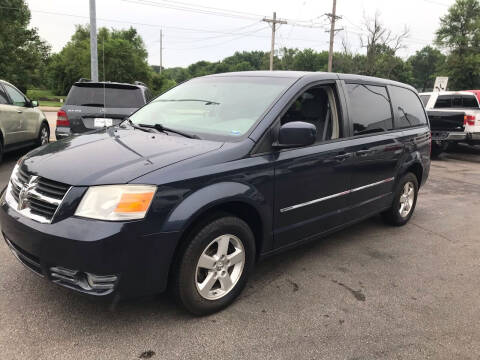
469,102
408,107
456,101
425,99
3,96
17,97
369,108
114,97
443,101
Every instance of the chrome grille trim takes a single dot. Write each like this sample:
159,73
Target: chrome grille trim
34,203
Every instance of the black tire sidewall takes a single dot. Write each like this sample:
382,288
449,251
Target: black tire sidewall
186,290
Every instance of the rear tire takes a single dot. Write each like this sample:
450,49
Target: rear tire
438,147
214,266
404,201
43,135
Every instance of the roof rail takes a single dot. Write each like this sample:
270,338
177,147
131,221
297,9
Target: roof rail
84,80
139,83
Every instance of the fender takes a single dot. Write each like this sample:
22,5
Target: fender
205,198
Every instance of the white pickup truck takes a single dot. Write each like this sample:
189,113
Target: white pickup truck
454,117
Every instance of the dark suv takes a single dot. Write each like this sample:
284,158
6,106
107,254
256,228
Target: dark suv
92,105
213,175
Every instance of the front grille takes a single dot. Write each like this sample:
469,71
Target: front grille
35,197
29,260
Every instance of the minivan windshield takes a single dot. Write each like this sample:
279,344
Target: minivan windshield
217,107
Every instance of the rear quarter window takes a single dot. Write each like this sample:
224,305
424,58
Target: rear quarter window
370,109
408,108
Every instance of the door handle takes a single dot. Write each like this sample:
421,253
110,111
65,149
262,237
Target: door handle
343,157
363,152
19,111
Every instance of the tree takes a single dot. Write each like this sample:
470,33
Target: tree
426,64
122,57
23,55
381,45
459,33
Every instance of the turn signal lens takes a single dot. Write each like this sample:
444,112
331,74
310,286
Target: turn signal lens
116,202
131,203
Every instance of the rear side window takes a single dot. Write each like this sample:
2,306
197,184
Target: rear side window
370,109
113,97
408,107
3,96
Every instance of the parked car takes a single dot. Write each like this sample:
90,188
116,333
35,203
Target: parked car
215,174
22,124
91,105
454,118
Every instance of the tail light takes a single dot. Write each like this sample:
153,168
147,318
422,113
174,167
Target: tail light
469,120
62,118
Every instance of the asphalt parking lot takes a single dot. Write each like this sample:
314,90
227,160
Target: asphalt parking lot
369,292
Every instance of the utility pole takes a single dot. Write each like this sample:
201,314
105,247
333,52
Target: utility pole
93,42
274,22
161,49
333,17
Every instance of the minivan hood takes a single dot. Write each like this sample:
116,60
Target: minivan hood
111,156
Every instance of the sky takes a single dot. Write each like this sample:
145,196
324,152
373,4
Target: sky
211,30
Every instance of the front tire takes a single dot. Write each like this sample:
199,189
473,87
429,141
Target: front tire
404,201
214,266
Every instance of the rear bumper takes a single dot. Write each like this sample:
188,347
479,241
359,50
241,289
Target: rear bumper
62,132
448,136
89,256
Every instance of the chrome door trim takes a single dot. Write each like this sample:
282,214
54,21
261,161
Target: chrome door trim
311,202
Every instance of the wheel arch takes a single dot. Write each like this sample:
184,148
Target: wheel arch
205,205
417,169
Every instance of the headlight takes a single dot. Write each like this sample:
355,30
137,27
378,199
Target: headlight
116,202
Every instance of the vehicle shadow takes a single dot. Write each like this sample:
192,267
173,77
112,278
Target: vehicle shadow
461,152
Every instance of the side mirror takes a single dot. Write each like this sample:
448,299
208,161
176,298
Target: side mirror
34,103
296,134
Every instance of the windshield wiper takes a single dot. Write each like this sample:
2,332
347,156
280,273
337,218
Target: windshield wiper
207,102
130,122
164,129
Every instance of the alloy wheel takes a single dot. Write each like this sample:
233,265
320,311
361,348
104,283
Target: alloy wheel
220,267
406,199
44,136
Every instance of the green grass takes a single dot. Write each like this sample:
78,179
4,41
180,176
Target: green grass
45,97
50,103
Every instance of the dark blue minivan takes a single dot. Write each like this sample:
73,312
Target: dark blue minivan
195,187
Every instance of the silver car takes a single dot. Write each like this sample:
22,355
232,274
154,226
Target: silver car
22,124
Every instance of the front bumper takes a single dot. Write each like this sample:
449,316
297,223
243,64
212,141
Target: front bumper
90,256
